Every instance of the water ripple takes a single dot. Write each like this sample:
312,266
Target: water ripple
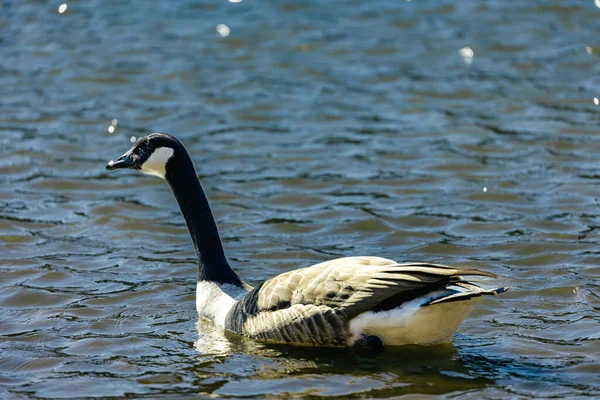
457,132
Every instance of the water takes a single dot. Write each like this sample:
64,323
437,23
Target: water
457,132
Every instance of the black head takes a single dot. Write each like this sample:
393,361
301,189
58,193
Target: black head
149,155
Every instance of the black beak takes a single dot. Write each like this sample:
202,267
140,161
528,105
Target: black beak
125,161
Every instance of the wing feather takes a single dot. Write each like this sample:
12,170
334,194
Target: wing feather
353,284
315,304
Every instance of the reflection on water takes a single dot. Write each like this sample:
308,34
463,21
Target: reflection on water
457,132
248,368
231,365
467,54
211,339
223,30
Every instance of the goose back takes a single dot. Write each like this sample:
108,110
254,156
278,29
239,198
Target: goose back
318,303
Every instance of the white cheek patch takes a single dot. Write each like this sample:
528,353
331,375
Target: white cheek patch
157,162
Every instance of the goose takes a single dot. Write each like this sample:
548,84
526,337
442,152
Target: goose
365,302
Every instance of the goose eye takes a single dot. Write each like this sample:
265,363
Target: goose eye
145,148
150,146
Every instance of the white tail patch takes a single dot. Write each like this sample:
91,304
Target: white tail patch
156,164
413,323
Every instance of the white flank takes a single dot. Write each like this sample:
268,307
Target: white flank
212,302
413,323
157,162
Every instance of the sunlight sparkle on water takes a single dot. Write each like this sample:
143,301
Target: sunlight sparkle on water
224,30
467,54
62,8
113,125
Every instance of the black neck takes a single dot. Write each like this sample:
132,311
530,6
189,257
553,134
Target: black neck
213,265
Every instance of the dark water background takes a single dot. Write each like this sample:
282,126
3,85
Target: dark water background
320,129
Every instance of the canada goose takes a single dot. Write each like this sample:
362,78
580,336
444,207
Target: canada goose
353,301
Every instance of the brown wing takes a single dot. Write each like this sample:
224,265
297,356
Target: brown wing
353,284
316,303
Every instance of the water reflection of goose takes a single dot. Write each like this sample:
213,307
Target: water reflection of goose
230,365
354,301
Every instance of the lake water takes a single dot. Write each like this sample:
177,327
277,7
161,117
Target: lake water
459,132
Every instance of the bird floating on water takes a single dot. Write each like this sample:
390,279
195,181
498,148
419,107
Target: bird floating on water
366,302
